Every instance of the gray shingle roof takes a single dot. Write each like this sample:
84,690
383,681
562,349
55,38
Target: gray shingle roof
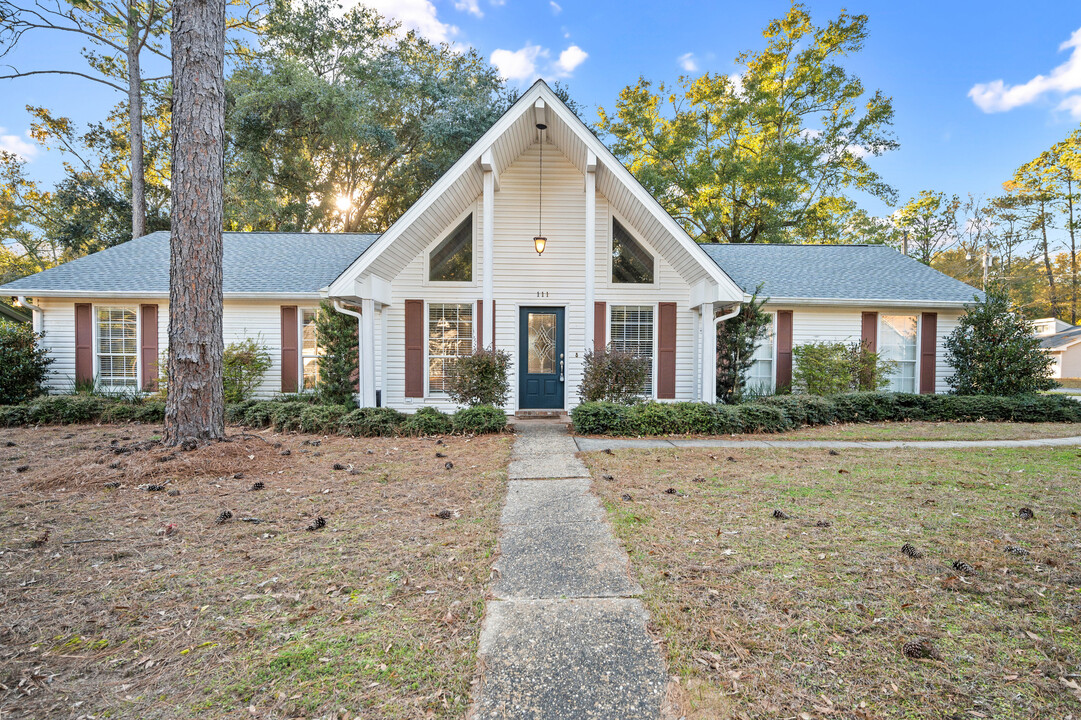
836,272
1060,339
256,262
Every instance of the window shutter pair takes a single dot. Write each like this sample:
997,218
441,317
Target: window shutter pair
148,347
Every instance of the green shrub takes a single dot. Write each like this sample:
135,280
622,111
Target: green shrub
24,364
613,376
244,364
322,418
479,419
480,379
372,422
148,411
761,418
337,335
993,351
428,421
12,415
829,368
804,409
600,418
736,343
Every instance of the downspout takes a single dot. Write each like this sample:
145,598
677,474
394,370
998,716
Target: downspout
727,316
36,313
360,360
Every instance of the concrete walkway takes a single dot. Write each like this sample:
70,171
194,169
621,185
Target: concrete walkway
563,636
594,444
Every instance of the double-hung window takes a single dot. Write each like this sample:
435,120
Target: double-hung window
450,336
117,347
310,351
632,334
760,377
897,343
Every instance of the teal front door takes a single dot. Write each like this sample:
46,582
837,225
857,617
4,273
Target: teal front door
541,358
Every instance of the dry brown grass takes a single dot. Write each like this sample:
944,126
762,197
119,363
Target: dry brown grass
930,431
789,618
163,613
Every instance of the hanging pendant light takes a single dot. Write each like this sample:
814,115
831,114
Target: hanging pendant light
540,241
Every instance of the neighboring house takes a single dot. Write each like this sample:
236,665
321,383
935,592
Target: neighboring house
1065,349
471,264
1043,327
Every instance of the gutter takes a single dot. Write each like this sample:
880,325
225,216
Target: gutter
35,317
77,294
728,315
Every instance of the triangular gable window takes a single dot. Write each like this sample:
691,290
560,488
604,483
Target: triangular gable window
452,259
631,263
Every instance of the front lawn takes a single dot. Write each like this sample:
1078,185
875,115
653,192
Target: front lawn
806,616
129,602
918,430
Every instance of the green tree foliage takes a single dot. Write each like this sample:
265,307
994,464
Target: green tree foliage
993,351
480,379
927,224
244,365
737,339
828,368
613,376
339,366
766,154
340,123
25,363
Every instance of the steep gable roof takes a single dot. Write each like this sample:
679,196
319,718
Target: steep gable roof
255,263
838,273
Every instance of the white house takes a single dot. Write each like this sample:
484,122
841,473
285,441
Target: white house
538,241
1062,341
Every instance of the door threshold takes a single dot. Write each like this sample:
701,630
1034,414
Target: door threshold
540,414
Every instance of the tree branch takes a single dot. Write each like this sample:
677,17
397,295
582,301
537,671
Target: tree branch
18,74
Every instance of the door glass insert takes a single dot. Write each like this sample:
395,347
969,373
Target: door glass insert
542,343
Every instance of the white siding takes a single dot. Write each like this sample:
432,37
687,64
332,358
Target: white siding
520,274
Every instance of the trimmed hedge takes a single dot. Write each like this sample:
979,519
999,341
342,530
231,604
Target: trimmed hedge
787,412
283,415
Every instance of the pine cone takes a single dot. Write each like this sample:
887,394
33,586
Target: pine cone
626,496
834,452
608,451
9,443
224,516
286,452
318,524
238,476
963,567
823,524
114,465
438,442
448,465
608,477
444,514
258,485
22,468
173,493
779,514
699,479
911,551
40,540
919,650
155,488
1018,551
112,485
440,455
1026,514
339,466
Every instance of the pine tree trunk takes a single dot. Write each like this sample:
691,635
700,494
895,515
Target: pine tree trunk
1053,296
1073,253
195,407
135,133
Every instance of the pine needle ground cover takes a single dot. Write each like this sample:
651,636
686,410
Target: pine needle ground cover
919,430
815,611
143,581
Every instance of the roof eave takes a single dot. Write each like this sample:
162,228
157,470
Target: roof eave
868,302
132,294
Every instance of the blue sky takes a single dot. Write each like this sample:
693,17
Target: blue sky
978,87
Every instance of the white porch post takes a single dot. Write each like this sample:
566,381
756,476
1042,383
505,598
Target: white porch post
488,250
591,245
708,345
367,352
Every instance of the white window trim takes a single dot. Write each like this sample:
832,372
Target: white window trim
426,280
919,343
610,228
96,340
773,355
442,394
608,309
300,346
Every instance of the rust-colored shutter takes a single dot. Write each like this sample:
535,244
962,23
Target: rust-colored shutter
479,345
414,348
784,349
84,343
600,327
290,349
148,351
666,350
928,350
869,334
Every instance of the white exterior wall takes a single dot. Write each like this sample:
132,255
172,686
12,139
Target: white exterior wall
1068,362
845,324
258,319
520,275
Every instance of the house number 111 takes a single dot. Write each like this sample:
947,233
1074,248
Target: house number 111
542,293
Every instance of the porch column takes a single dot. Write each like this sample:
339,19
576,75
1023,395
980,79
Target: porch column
367,352
591,245
488,250
708,345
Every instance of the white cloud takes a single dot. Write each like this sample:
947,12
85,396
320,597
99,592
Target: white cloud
688,62
17,146
571,58
419,15
997,96
469,6
556,7
518,64
498,3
